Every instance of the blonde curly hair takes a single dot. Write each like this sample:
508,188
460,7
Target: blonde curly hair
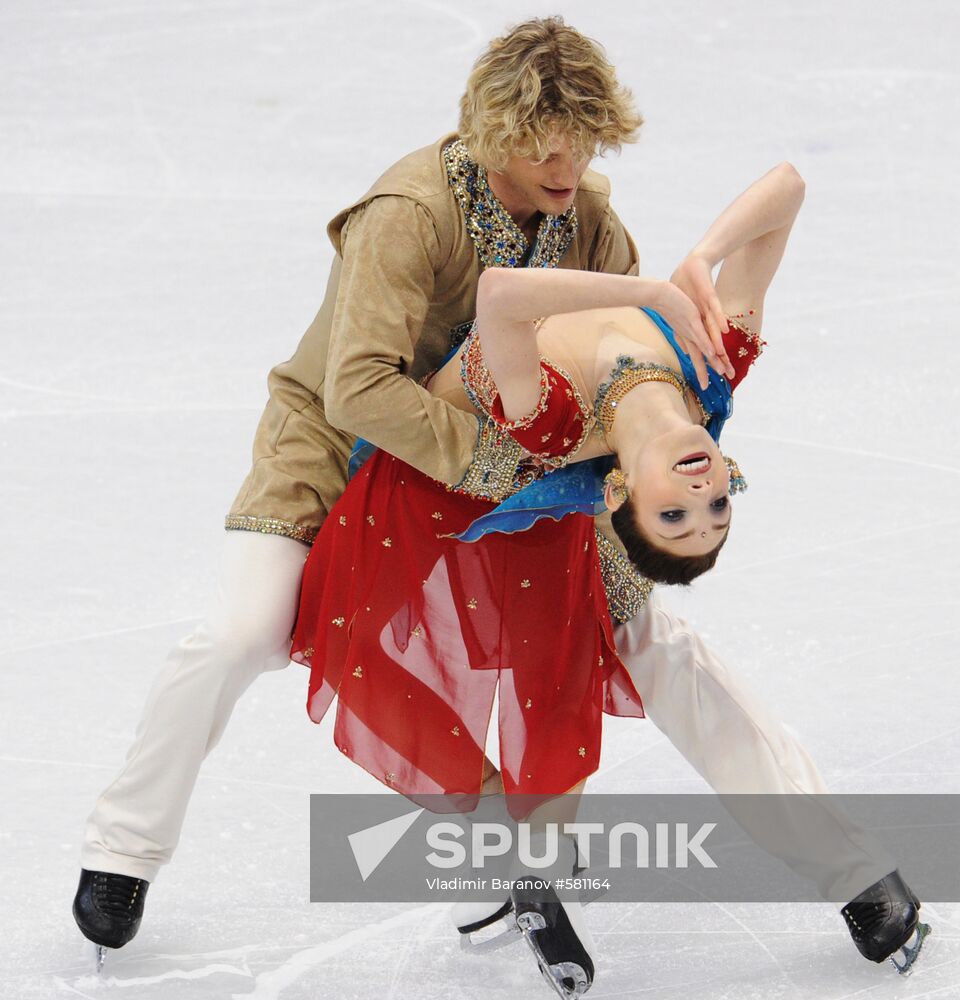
540,80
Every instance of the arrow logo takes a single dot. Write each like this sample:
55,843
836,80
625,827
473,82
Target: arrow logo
372,845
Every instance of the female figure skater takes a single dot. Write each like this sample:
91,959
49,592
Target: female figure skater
414,628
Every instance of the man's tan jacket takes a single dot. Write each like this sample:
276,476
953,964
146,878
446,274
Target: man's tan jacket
409,255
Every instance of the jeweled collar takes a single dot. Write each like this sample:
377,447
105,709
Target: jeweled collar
498,239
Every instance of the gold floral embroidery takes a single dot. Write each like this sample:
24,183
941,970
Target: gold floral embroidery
417,631
437,516
529,703
455,730
343,519
371,520
358,671
387,543
309,651
338,622
472,604
524,583
582,751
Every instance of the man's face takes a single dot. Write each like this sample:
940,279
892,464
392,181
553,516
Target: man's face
549,187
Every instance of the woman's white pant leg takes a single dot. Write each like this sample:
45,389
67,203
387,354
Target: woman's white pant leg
740,748
136,822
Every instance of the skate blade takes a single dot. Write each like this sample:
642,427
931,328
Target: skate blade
475,943
567,978
95,953
910,950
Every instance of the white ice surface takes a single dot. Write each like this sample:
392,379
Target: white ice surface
166,172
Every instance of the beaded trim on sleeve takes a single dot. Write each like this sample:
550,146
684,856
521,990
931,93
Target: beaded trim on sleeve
481,389
754,338
271,526
627,591
498,239
496,470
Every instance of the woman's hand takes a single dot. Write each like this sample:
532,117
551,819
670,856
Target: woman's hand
681,312
694,278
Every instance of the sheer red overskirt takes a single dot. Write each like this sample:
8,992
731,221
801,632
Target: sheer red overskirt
412,630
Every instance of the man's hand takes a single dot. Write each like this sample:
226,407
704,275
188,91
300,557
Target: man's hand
693,277
691,329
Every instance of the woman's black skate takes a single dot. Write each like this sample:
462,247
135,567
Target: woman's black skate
108,909
557,934
884,922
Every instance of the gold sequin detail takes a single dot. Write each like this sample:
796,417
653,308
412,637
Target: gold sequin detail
271,526
455,730
472,604
417,631
371,520
626,375
546,437
358,671
582,751
309,651
495,471
387,543
627,591
437,516
529,703
338,622
343,519
524,583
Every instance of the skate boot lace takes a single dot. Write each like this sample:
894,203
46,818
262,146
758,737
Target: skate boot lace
115,894
865,918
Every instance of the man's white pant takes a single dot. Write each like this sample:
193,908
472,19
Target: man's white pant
711,719
741,749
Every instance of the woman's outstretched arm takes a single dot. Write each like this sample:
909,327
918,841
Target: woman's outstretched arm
749,237
510,300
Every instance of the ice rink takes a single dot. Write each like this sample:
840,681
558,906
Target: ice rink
166,175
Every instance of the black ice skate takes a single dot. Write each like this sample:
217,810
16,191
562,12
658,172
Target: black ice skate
490,926
108,909
884,922
557,933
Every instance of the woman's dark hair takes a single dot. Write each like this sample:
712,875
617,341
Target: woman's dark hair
655,563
